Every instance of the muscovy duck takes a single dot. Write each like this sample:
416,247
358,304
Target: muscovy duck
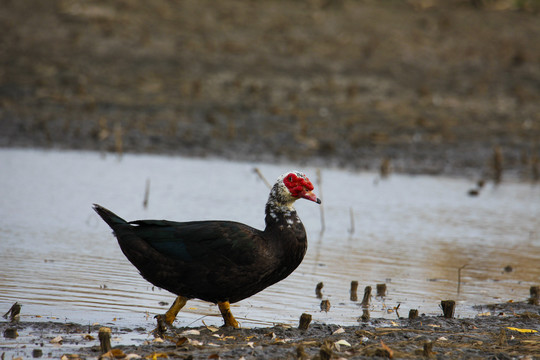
218,261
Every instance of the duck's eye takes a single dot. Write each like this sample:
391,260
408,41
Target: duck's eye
290,178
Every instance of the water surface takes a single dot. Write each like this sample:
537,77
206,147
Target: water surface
60,261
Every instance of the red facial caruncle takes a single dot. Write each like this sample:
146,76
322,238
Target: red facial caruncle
300,187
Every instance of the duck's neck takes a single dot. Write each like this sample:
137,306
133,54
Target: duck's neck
280,215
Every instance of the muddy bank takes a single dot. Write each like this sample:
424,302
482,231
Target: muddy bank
502,331
350,83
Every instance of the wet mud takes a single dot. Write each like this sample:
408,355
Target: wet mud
501,331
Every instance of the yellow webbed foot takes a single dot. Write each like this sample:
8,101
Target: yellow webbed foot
225,309
166,320
178,304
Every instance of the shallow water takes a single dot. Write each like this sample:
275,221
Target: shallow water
60,261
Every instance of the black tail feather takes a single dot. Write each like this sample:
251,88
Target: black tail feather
108,216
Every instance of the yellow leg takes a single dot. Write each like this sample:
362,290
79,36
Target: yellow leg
225,309
178,304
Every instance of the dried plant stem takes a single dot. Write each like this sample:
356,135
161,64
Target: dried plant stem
261,176
118,141
351,214
146,193
367,296
319,188
459,278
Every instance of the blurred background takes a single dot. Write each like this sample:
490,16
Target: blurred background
427,86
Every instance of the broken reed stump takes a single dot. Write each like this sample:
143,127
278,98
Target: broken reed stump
318,289
354,289
473,192
428,349
497,164
10,333
413,314
448,307
325,352
367,296
104,336
502,340
535,295
36,353
365,315
381,290
325,305
384,169
301,353
305,320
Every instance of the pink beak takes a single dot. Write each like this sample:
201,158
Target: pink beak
309,195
